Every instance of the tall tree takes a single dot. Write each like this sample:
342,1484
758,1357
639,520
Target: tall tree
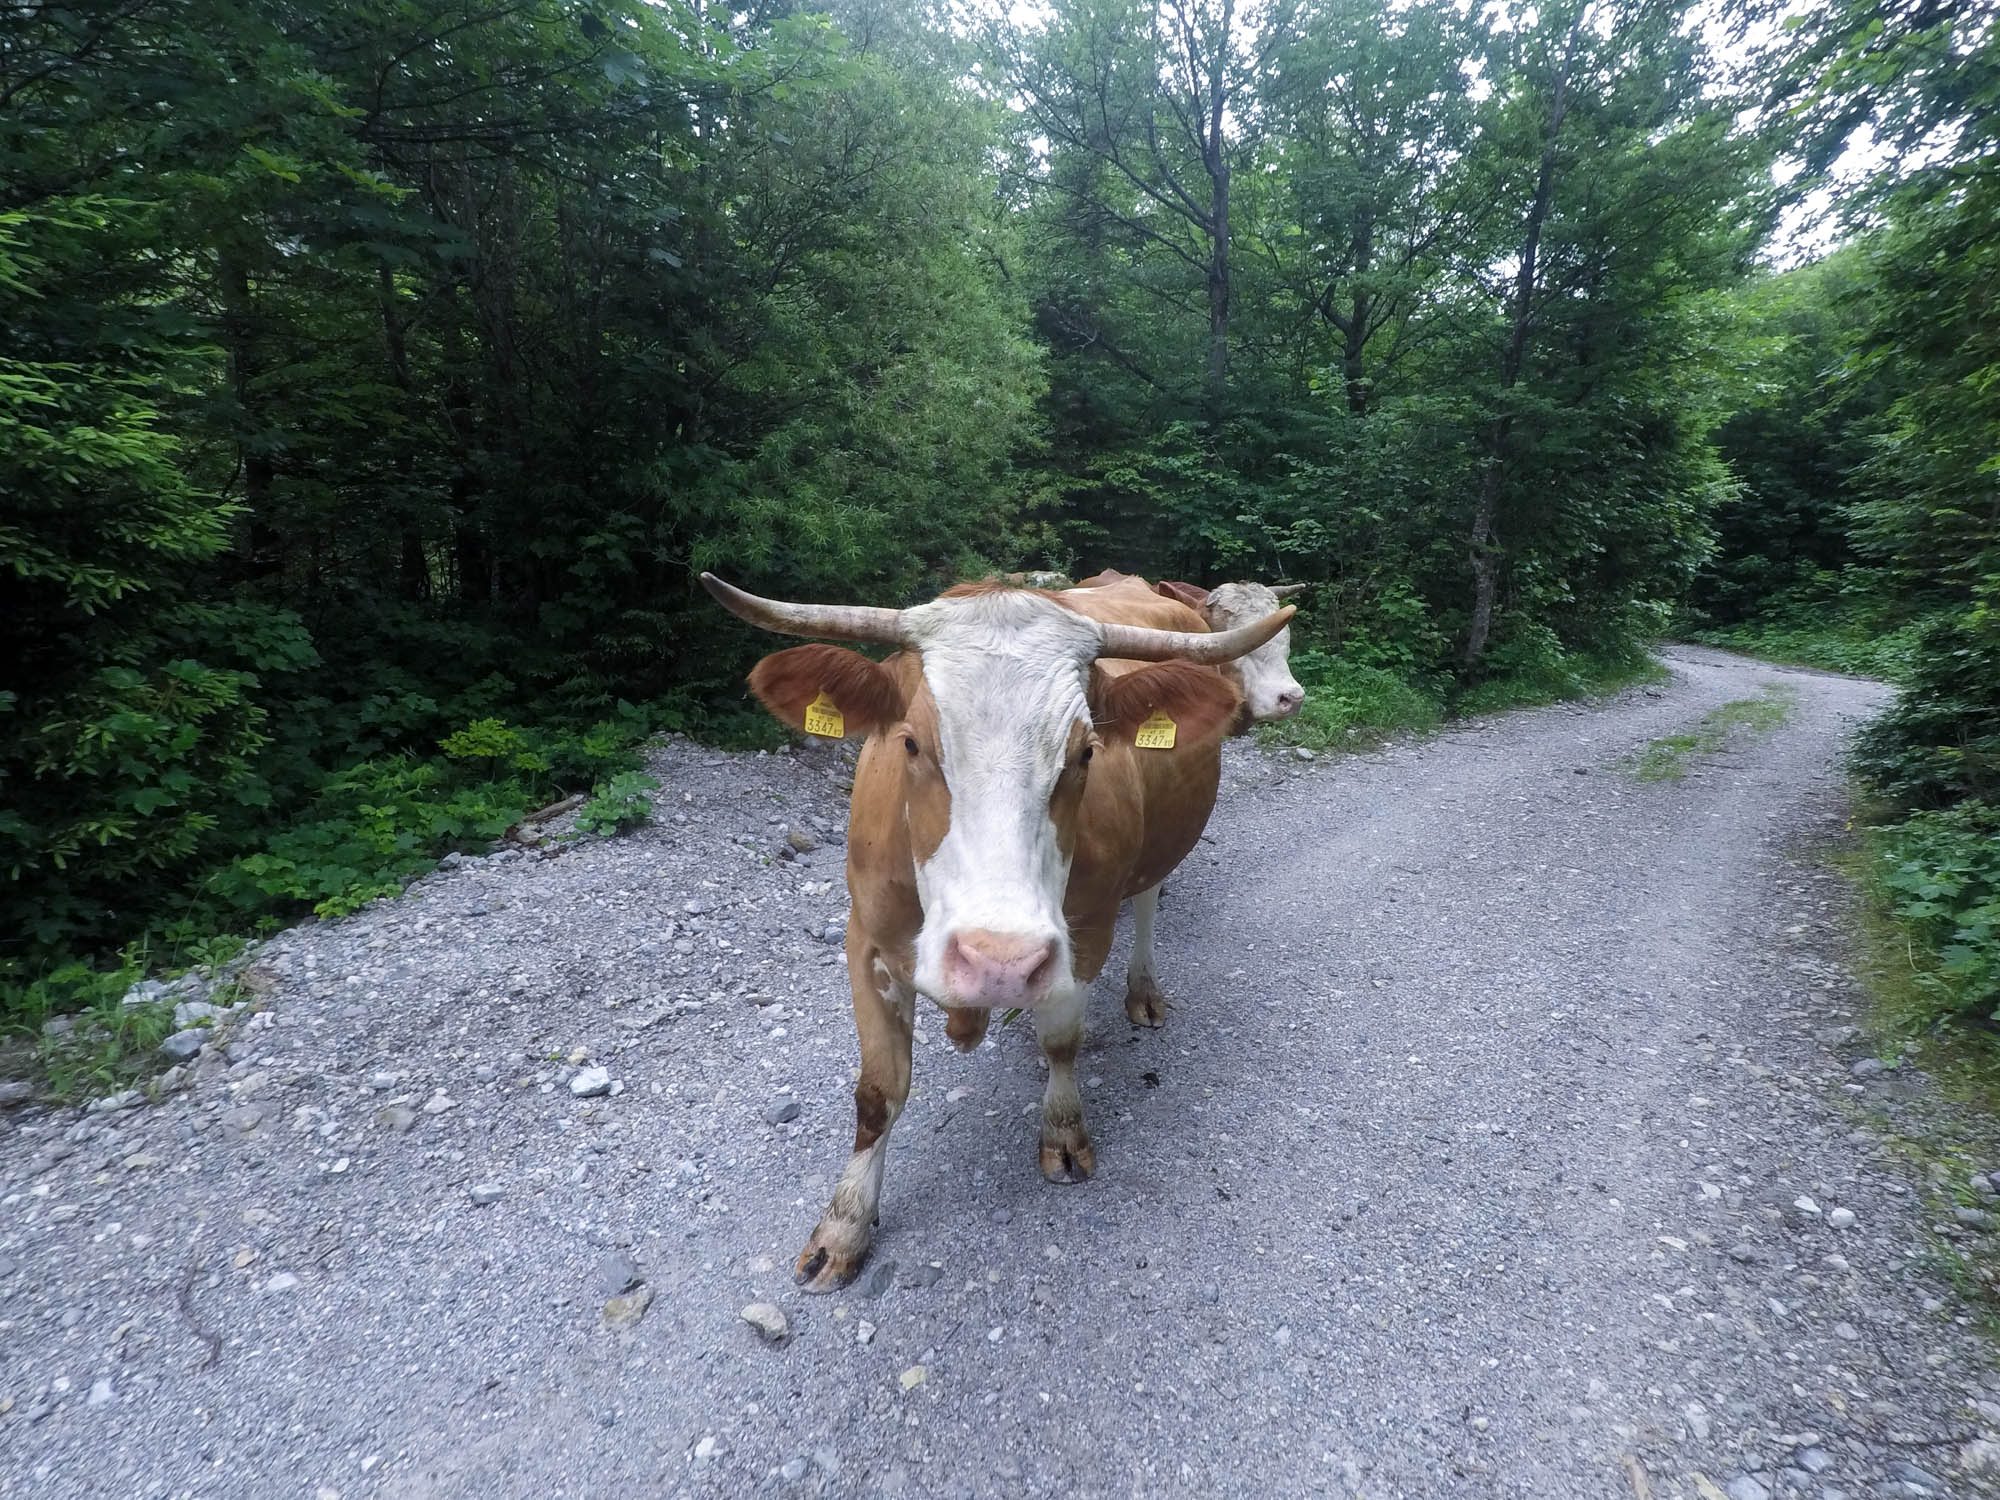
1632,188
1157,96
1369,121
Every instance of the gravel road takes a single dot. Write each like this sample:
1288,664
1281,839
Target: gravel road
1468,1164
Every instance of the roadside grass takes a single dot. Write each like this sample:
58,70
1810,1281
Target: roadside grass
109,1047
1354,706
1350,706
1847,647
1668,758
1570,678
1951,1134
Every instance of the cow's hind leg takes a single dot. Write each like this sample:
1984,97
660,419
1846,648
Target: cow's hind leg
1066,1152
884,1015
1144,1004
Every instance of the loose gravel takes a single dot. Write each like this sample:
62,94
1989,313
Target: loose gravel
1469,1163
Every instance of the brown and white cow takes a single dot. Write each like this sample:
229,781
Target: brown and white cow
1270,691
1013,790
1264,677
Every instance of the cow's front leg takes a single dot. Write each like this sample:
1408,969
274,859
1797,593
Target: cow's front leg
1144,1004
884,1014
1066,1153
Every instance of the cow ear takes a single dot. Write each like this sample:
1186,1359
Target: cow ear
1201,702
1186,593
827,690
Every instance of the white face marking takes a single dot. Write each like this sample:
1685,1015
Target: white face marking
1008,672
1269,689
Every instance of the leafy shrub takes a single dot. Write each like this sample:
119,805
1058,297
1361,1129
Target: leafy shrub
373,829
1850,648
1940,872
1941,739
1349,704
1847,622
1532,667
618,804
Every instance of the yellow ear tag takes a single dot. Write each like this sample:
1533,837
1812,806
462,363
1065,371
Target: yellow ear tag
823,719
1157,733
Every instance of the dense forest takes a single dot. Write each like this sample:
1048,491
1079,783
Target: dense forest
377,375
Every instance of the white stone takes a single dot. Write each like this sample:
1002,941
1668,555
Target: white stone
590,1083
767,1319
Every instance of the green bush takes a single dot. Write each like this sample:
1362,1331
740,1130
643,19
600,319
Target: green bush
1941,739
1847,622
1532,667
618,804
364,832
375,827
1940,873
372,830
1349,704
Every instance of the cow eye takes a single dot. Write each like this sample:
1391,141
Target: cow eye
910,744
1088,751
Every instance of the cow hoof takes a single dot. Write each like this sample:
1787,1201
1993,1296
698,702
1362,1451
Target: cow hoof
966,1027
1147,1007
821,1269
1068,1161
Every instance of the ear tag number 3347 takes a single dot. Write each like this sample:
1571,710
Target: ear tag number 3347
823,718
1157,733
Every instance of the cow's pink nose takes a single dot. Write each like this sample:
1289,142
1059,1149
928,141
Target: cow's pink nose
1289,701
994,968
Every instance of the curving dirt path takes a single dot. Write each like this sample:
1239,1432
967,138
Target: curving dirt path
1467,1165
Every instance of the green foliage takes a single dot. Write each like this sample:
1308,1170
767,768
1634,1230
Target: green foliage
97,1044
371,830
618,804
1922,495
1531,667
1940,873
1351,705
359,392
1941,739
1847,622
1340,414
111,1046
1799,427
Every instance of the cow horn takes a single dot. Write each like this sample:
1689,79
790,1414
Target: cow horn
838,622
1136,643
1286,590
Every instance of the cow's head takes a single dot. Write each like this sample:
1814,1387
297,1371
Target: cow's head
995,732
1270,691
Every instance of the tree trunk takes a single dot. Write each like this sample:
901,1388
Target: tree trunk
1485,536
